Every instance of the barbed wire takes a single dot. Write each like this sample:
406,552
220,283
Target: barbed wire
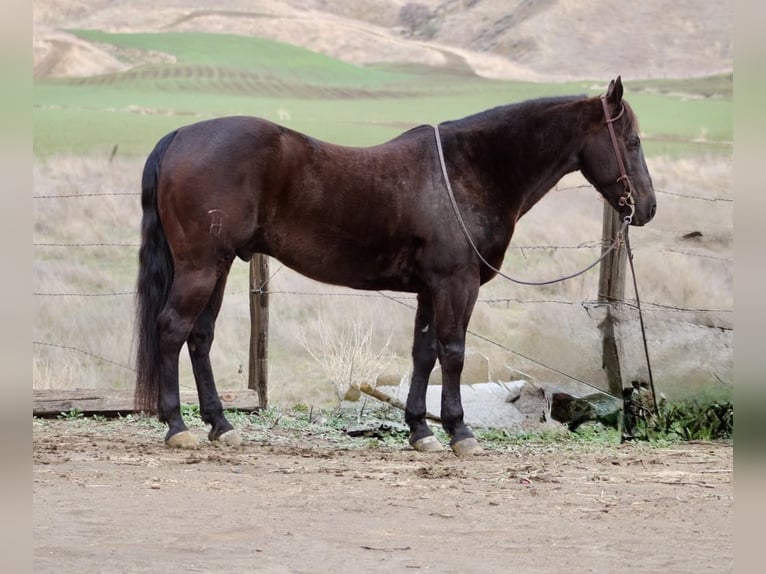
566,188
606,300
82,351
656,190
696,197
105,294
400,298
671,308
86,245
584,245
692,254
522,248
78,195
377,295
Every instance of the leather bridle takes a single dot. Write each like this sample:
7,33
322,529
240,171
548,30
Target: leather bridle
627,198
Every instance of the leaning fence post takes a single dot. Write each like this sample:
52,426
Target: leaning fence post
611,289
259,328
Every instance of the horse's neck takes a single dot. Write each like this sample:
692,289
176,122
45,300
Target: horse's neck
556,155
533,160
539,184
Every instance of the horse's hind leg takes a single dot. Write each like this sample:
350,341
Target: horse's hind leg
199,344
189,295
423,360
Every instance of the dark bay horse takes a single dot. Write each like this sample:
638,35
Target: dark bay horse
378,218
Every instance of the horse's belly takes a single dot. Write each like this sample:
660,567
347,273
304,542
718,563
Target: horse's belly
355,268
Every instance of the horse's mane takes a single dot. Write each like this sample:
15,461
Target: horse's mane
502,110
517,110
510,110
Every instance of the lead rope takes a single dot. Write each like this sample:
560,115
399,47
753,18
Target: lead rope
641,321
456,209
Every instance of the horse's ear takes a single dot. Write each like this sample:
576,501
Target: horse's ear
614,92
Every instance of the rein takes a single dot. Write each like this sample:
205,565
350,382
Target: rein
456,209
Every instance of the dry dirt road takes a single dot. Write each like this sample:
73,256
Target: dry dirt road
109,497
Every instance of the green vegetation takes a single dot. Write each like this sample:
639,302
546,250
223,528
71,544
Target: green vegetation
720,86
73,413
689,420
207,75
244,54
384,428
587,434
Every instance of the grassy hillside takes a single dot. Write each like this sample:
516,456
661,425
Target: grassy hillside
510,39
218,74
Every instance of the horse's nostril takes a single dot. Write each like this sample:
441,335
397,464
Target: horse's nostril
652,210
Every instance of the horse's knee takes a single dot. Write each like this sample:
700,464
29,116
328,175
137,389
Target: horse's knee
424,355
451,356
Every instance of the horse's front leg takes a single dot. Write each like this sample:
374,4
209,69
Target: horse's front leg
453,305
423,360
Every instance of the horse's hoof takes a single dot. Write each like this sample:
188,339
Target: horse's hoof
428,444
230,438
467,447
183,439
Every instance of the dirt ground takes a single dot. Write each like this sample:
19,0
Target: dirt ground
110,497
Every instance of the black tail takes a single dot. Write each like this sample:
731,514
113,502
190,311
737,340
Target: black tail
155,275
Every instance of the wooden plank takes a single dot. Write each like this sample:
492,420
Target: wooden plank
52,402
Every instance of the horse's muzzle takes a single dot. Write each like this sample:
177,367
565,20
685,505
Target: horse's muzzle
643,216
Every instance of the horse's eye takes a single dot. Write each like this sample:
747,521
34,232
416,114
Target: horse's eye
633,142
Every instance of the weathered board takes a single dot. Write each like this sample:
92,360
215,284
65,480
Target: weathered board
52,402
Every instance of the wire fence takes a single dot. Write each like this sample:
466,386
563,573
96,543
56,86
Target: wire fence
125,252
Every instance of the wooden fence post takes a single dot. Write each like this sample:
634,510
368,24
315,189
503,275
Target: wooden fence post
259,328
611,288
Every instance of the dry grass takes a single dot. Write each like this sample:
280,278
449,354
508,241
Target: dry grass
690,351
346,353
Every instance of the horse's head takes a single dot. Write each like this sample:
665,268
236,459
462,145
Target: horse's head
613,161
